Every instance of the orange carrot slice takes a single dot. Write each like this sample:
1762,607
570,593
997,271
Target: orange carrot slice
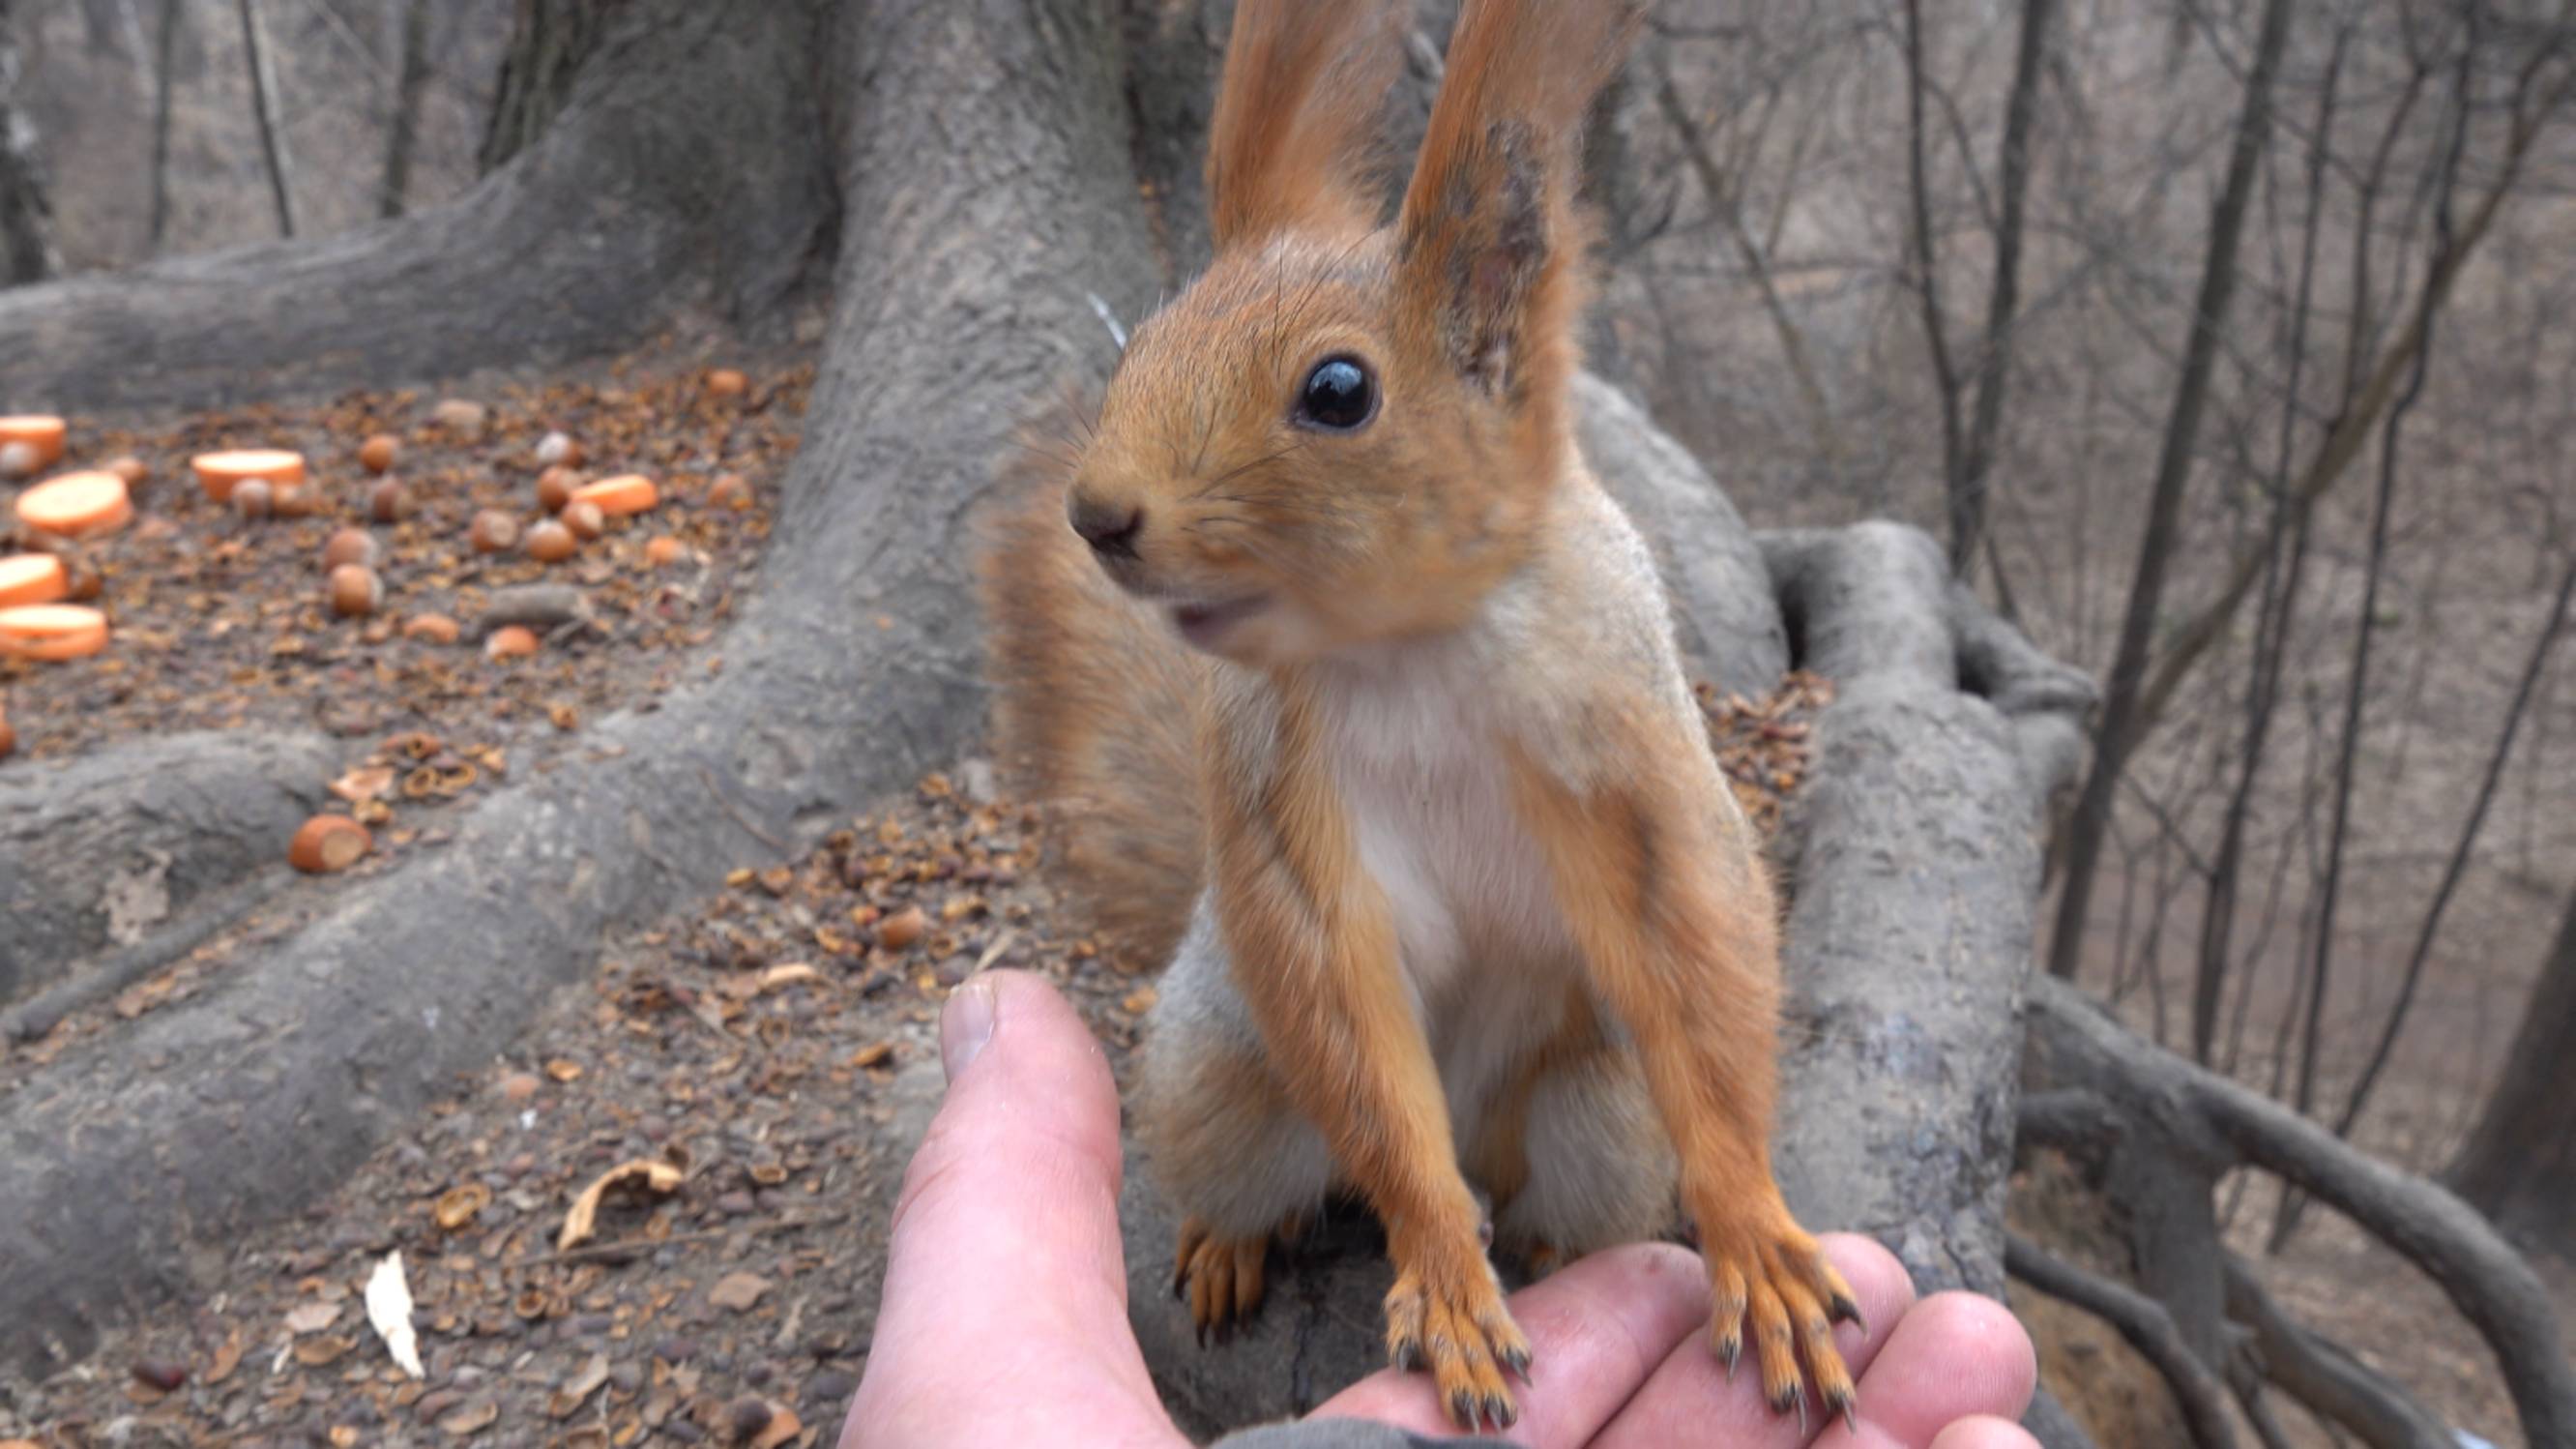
222,472
44,434
52,631
32,578
76,504
625,493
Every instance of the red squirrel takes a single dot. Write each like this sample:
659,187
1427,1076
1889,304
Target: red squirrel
1361,702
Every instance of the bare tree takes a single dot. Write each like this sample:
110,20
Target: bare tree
164,69
2119,729
26,213
403,129
2519,1167
263,103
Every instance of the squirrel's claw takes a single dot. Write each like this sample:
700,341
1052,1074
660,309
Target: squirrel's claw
1770,1279
1221,1278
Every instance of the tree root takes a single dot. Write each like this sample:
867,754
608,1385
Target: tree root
2145,1324
2180,1120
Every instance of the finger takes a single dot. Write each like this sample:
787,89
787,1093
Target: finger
1596,1329
1691,1399
1956,1356
1985,1432
1003,1261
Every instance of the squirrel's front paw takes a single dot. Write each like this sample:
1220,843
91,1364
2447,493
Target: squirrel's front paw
1453,1322
1764,1268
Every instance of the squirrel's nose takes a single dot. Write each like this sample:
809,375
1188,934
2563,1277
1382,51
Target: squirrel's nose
1110,528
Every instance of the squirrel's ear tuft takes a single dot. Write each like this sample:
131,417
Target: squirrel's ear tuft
1294,140
1488,239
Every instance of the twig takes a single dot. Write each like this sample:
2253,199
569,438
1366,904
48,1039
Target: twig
2330,1382
2144,1323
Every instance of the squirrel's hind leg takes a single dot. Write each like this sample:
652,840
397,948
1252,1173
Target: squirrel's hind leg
1222,1139
1574,1154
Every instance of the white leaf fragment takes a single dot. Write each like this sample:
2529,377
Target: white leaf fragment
389,1309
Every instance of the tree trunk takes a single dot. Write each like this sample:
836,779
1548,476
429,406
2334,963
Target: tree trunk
26,215
164,68
2520,1165
263,109
548,44
404,127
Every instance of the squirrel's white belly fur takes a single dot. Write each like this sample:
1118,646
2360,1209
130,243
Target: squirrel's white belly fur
1487,955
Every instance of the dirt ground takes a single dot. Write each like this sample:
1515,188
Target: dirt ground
750,1053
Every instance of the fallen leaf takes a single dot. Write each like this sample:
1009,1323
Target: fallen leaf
389,1309
227,1358
470,1420
583,1221
458,1205
322,1352
567,1400
782,1427
875,1054
563,1071
312,1318
738,1291
788,975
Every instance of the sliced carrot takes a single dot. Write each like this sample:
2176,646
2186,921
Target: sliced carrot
44,434
76,504
52,631
625,493
32,578
222,472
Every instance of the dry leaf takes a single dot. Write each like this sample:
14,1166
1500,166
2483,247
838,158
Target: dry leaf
782,1427
458,1205
567,1401
738,1291
472,1419
563,1071
322,1352
312,1318
875,1054
227,1358
389,1309
788,975
583,1220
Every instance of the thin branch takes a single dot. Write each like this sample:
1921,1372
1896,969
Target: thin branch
2328,1381
1994,359
1925,267
263,104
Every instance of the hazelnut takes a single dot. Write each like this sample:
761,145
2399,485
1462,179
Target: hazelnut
554,488
551,542
729,491
584,519
377,454
300,501
355,590
255,497
19,460
662,551
349,546
132,469
8,737
558,449
431,629
328,843
726,382
493,531
390,502
511,641
900,930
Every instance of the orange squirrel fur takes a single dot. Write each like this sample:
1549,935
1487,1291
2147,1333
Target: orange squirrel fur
1360,702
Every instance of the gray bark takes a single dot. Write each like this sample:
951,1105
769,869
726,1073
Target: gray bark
105,852
26,212
2519,1167
686,171
403,127
958,299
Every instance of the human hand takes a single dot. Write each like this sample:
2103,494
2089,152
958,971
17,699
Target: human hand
1004,1316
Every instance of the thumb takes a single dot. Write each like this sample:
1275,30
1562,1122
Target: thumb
1003,1262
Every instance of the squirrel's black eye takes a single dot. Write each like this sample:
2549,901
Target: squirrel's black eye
1338,395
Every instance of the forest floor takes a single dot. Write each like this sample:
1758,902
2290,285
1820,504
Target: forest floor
742,1074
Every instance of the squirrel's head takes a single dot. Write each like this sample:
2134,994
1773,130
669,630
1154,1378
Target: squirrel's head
1344,432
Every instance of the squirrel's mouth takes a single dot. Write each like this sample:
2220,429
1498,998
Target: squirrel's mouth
1203,624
